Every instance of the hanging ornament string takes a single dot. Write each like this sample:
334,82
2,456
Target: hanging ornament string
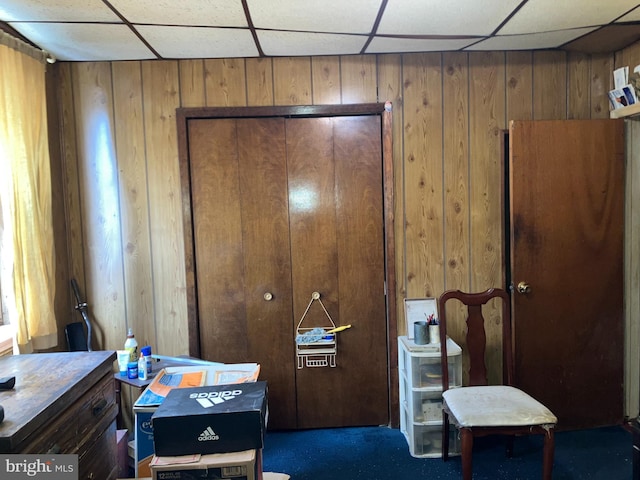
316,296
315,347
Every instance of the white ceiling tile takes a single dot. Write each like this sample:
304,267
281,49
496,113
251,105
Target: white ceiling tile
297,43
218,13
336,16
530,41
633,16
56,11
86,42
451,17
199,42
78,30
546,15
392,45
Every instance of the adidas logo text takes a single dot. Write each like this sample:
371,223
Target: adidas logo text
224,393
209,399
208,435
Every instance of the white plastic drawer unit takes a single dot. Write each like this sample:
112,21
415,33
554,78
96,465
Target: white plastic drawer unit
420,382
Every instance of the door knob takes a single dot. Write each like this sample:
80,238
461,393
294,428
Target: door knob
524,288
268,296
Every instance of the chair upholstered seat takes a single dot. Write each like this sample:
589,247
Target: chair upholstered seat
495,405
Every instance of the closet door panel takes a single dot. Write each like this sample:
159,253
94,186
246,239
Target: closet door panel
312,218
217,227
267,265
314,257
337,250
240,215
359,207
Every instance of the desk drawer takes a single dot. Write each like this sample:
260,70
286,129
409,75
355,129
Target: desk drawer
70,430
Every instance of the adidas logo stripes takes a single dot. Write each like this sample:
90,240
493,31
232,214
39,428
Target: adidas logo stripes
209,402
208,435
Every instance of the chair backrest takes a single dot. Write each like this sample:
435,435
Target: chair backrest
476,339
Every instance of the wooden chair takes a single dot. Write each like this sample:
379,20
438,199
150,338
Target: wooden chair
480,409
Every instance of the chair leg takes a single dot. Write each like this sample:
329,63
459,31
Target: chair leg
547,452
445,436
466,441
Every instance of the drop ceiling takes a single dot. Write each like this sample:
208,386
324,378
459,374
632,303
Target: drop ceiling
99,30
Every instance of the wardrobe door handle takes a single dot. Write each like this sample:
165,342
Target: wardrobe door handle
524,288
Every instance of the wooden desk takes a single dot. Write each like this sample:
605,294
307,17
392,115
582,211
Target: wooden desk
62,403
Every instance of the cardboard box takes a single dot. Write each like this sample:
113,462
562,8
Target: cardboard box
222,466
143,440
170,378
211,419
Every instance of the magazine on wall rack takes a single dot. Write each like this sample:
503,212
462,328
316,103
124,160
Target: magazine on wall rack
623,97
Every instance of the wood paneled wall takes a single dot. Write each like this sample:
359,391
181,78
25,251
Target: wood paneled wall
121,186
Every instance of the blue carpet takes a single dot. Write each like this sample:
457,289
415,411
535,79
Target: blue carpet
380,453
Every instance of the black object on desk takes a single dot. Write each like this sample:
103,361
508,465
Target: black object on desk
7,383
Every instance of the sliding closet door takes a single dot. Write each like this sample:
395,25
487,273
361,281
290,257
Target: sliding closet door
241,245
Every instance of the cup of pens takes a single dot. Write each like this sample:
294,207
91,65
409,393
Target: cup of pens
434,329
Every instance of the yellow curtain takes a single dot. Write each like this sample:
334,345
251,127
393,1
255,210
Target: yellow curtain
25,197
